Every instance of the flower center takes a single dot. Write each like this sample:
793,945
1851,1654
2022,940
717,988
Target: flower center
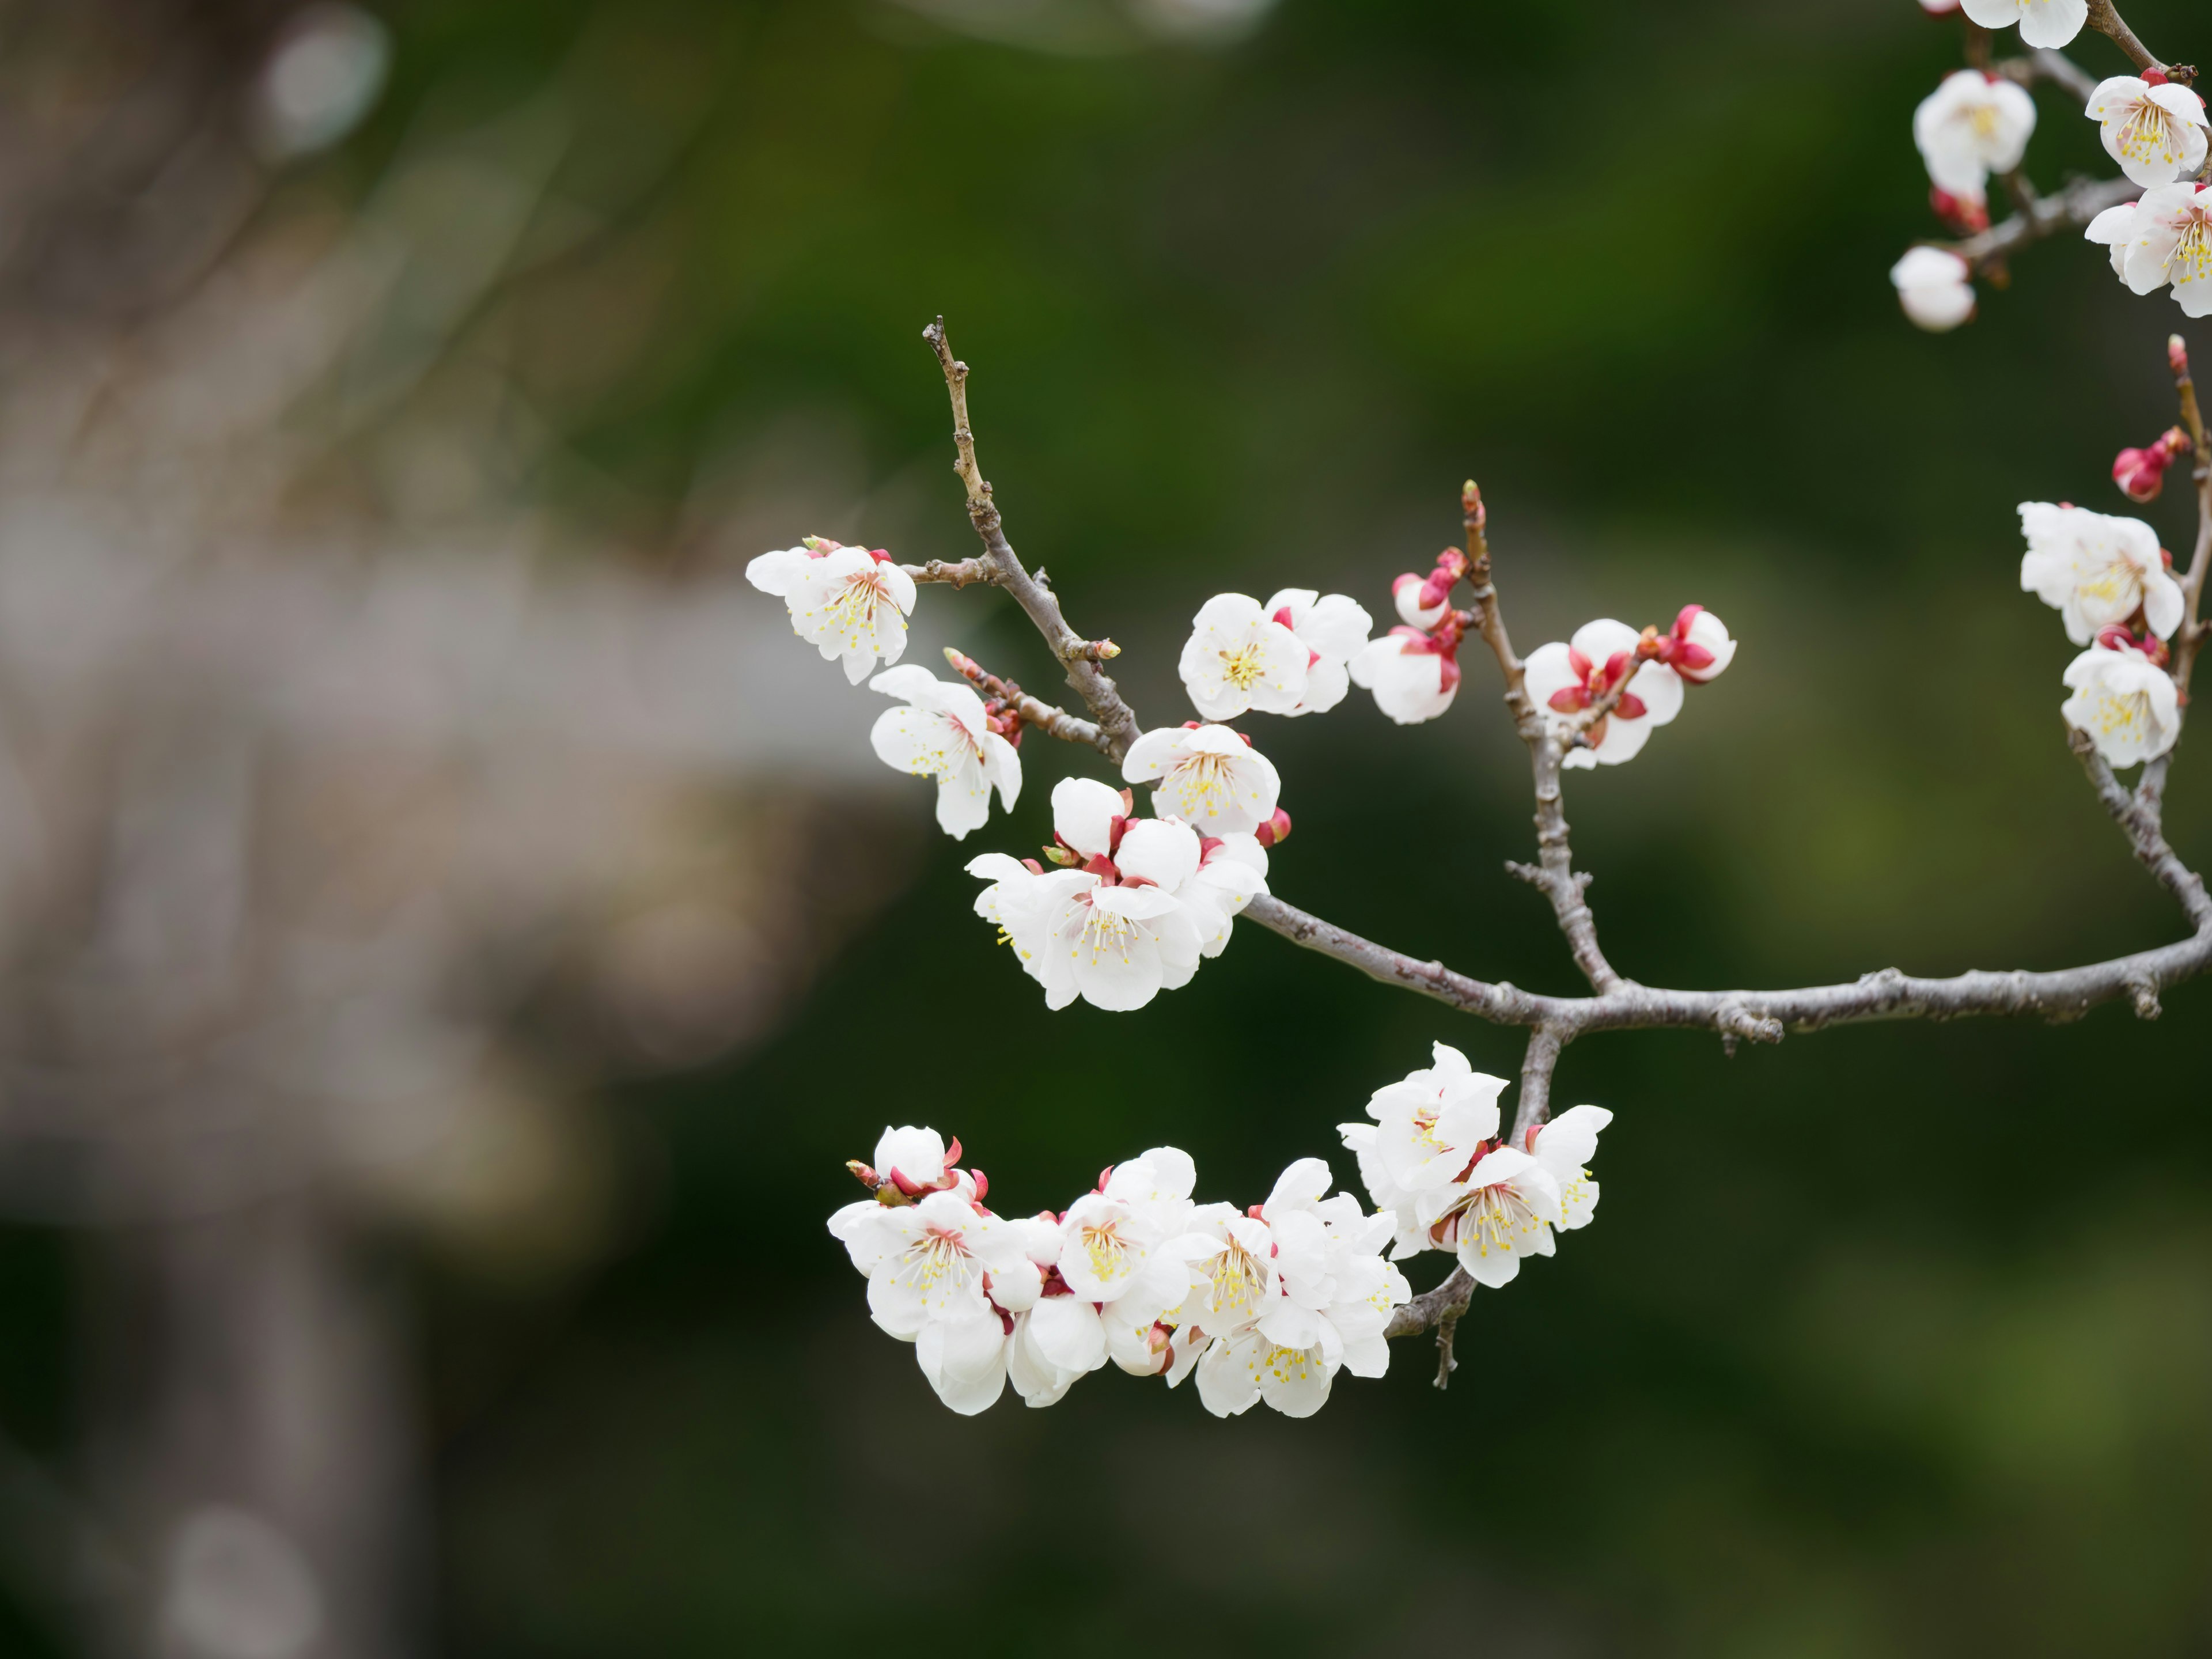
1493,1218
1238,1280
2127,714
935,1255
1242,667
2144,135
1107,1251
2193,252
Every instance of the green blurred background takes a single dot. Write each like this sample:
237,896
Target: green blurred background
1888,1340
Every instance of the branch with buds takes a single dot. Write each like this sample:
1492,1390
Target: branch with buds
1270,1302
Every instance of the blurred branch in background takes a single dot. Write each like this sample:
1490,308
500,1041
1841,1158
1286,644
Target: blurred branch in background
325,769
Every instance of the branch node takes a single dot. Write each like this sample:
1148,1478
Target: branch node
2142,991
1736,1021
1446,1327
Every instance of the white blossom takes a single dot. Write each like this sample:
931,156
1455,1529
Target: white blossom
1413,675
1112,930
848,602
1509,1202
1232,872
2042,22
1334,630
1699,648
1238,657
943,733
1933,287
2096,570
2156,133
1971,126
1209,776
1568,678
2127,704
1409,596
2163,238
1286,1297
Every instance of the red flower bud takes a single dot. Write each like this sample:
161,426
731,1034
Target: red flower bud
2140,473
1963,214
1275,831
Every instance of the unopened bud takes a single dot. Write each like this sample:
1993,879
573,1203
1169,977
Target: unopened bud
1964,214
2154,77
962,665
1470,504
2177,353
864,1174
1066,857
2140,473
1275,831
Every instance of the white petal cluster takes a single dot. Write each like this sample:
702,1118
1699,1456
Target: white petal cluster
2042,22
1567,679
1140,901
1413,677
2127,704
1286,657
943,733
848,602
1972,125
1208,776
1431,1159
2155,131
2163,239
2096,570
1265,1305
1934,286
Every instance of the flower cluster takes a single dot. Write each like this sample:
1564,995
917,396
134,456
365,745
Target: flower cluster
1432,1160
2112,584
851,603
1976,124
1286,657
1265,1303
1134,904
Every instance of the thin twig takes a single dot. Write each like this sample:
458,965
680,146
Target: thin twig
2106,21
2076,204
958,572
1115,720
1053,722
2044,64
2140,819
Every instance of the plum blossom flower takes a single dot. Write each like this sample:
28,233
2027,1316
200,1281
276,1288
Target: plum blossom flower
1123,1265
1334,630
849,603
2163,238
2042,22
1286,1297
1209,776
1933,287
1699,647
1232,872
1509,1202
1570,678
1413,675
1238,658
1111,929
2096,570
943,733
2151,127
2123,699
1971,126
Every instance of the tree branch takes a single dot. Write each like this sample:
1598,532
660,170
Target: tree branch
1758,1016
2076,204
1053,722
2044,64
1117,722
2138,819
2106,21
958,572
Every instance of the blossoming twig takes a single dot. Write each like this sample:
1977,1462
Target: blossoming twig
1052,721
958,572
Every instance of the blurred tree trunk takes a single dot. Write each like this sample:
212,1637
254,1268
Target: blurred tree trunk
251,1432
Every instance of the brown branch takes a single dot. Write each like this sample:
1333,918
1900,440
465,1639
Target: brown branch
1053,722
2138,817
1117,723
2060,995
2076,204
2106,21
1554,876
2188,639
2044,64
1488,621
958,572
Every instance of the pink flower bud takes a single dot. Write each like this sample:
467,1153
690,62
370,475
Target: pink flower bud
2177,353
2154,77
1275,831
1415,606
2140,473
1963,214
